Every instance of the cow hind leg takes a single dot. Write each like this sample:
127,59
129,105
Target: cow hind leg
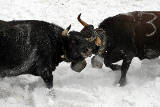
47,77
127,58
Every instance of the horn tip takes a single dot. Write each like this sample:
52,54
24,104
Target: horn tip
69,27
79,16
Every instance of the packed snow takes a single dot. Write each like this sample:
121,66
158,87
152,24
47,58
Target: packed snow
92,87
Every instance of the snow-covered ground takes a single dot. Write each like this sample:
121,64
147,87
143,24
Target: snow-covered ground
92,87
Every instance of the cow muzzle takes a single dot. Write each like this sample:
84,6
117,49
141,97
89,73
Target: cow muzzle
78,66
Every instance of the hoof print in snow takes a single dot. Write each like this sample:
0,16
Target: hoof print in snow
52,93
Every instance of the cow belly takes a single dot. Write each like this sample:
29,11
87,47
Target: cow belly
151,53
10,57
21,66
11,60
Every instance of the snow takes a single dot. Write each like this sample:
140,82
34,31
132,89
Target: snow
92,87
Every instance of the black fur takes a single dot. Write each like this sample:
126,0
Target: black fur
35,47
127,38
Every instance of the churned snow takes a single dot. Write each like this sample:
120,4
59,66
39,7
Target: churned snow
92,87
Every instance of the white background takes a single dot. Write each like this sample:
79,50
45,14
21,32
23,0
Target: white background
91,87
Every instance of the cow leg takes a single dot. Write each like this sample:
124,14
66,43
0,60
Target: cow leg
44,70
110,58
47,77
127,58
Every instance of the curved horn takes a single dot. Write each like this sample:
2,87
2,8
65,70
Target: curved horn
81,21
65,32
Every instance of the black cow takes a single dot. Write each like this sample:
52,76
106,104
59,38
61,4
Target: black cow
124,36
37,47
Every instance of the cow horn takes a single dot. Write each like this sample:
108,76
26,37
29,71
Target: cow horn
81,21
65,32
98,41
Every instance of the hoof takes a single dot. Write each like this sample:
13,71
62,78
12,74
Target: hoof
122,82
49,85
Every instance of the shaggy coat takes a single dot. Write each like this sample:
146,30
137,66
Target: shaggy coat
37,47
123,37
135,34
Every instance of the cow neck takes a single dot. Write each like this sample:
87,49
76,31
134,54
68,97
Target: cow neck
99,32
64,43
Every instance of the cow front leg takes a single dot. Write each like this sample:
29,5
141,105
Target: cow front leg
125,66
110,58
45,73
44,69
47,77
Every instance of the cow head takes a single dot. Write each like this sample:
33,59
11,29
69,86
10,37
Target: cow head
94,36
76,49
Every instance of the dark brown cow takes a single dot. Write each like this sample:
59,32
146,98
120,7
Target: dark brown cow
135,34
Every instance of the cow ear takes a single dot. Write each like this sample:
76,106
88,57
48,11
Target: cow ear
98,41
65,32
